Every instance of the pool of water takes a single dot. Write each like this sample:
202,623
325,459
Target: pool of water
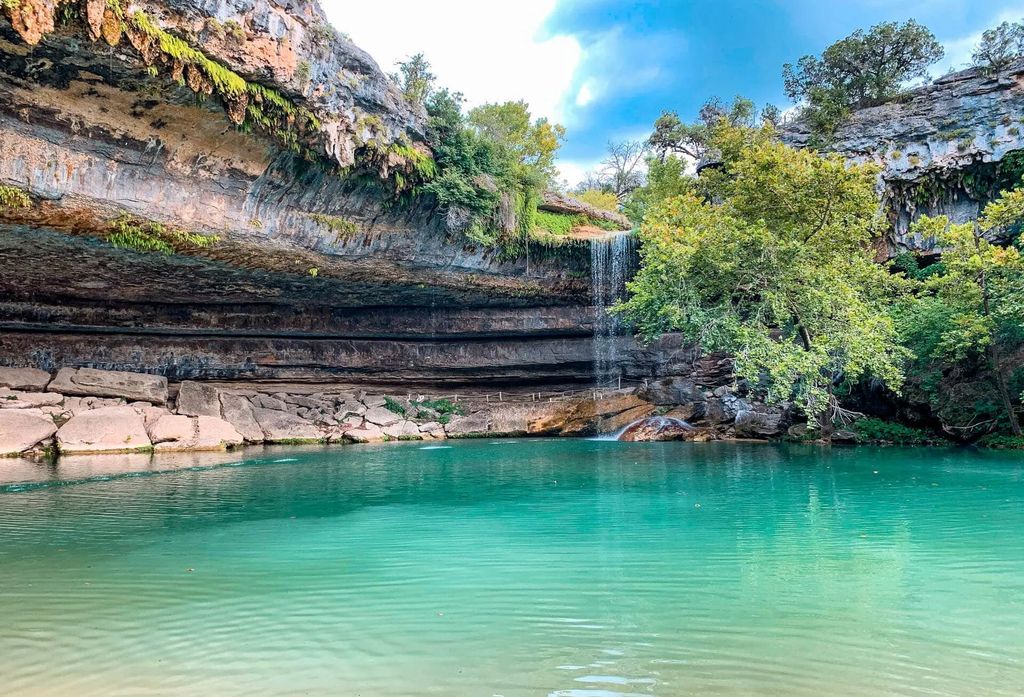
577,568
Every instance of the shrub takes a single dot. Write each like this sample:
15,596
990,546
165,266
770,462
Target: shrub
1002,442
393,406
13,197
872,430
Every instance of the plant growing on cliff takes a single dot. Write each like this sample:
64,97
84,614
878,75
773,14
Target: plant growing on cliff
780,274
864,69
973,309
128,232
13,197
414,79
999,47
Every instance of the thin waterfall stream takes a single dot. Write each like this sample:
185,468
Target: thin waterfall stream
612,262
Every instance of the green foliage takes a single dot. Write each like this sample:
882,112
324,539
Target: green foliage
871,430
445,408
414,79
128,232
342,227
602,200
1002,442
234,30
972,309
265,108
556,223
13,197
864,69
791,290
490,168
393,406
303,71
999,47
673,136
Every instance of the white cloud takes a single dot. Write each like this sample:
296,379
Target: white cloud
491,52
586,94
572,173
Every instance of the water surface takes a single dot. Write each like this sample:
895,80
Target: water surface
577,568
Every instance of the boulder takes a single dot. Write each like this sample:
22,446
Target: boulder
180,432
198,399
11,399
77,404
282,427
366,434
432,429
478,424
21,430
586,417
107,429
379,416
403,430
373,401
24,379
661,428
150,414
265,401
801,432
755,424
110,383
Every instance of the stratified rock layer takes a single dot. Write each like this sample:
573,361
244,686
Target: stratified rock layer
943,148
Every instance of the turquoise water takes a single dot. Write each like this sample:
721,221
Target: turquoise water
577,568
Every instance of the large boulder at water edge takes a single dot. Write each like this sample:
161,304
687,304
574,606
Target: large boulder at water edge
198,399
24,378
111,383
22,429
108,429
590,417
180,432
661,428
754,424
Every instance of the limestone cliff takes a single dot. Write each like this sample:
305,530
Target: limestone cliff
218,188
947,147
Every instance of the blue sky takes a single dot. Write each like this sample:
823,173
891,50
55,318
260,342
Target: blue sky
607,69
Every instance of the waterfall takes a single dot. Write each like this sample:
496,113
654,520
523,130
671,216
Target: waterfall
611,264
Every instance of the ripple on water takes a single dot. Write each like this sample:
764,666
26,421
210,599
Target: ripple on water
554,567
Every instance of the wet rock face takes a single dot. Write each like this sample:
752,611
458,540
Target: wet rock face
964,123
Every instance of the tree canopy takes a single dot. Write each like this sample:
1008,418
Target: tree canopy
780,274
864,69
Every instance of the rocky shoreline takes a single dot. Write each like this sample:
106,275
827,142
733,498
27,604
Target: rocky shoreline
89,411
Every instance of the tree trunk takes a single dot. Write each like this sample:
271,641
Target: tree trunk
1004,390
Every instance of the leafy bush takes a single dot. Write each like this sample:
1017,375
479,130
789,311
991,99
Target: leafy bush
13,197
1002,442
872,430
556,223
603,200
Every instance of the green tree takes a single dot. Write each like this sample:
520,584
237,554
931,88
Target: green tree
864,69
780,274
674,137
999,46
414,79
978,296
532,144
666,177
